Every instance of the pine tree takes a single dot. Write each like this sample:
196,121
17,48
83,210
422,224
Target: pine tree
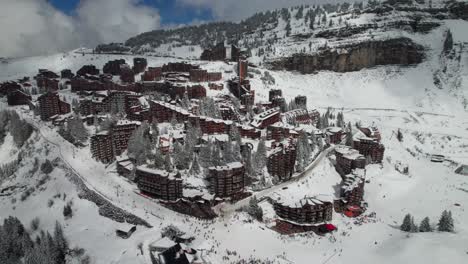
179,157
195,168
159,159
446,222
260,157
425,225
234,134
399,135
139,144
406,225
205,156
288,29
414,227
168,163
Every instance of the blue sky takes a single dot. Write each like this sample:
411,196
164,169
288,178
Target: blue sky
170,12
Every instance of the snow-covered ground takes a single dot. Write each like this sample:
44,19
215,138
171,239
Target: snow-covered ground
433,121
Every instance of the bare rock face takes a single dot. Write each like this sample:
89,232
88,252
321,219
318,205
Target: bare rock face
401,51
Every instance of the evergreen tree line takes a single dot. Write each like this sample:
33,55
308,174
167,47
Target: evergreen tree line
445,224
74,130
19,129
18,246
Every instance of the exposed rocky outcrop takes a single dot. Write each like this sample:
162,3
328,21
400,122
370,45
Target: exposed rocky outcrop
400,51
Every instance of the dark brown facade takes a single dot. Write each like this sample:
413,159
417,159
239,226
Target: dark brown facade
50,105
306,211
159,183
281,162
101,147
18,97
226,181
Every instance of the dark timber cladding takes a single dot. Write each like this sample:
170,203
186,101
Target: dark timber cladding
101,147
306,211
50,105
159,183
281,161
228,180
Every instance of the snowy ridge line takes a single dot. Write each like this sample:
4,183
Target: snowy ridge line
384,109
106,205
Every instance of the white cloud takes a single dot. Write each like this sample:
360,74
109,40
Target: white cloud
31,27
235,10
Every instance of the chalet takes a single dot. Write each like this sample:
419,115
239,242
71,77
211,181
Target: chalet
88,70
139,65
334,135
281,161
50,105
266,118
348,159
226,181
18,97
176,254
101,147
306,211
113,67
159,183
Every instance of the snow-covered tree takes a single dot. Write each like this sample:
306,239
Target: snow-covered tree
168,163
159,161
234,134
407,223
425,225
260,156
195,168
139,144
399,135
445,222
254,209
179,157
76,129
205,156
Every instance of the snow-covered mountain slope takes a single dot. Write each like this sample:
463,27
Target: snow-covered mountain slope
432,120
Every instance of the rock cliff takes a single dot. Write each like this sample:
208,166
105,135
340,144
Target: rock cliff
400,51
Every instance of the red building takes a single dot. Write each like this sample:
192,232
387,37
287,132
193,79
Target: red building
8,87
113,67
370,147
215,86
281,161
50,105
179,67
139,65
334,135
18,97
88,70
159,183
298,116
126,74
47,84
101,147
226,181
266,118
121,133
242,69
199,75
348,159
152,74
306,211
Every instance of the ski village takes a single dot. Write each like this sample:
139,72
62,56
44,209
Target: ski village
217,159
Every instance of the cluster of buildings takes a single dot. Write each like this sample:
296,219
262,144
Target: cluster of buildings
273,120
